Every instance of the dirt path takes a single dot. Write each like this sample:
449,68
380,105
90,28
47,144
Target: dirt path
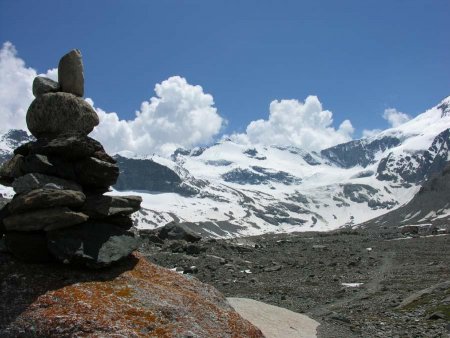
374,285
381,274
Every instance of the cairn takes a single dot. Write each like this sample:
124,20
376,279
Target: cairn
59,210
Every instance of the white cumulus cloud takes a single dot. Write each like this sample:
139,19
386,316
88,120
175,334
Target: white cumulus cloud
15,88
370,132
303,124
180,115
394,117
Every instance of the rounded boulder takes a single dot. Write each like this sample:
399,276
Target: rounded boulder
53,114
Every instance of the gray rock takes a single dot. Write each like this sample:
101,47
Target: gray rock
54,114
3,247
46,198
28,246
193,249
436,316
44,219
98,207
12,168
33,181
124,222
44,85
103,156
4,212
36,163
190,270
340,317
55,166
176,231
319,247
70,73
6,181
150,236
93,244
95,173
409,229
69,147
272,268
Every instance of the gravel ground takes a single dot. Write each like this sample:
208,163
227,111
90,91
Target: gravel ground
307,272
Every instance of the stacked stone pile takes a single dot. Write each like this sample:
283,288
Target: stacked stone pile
60,210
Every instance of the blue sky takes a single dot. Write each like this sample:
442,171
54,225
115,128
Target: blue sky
358,57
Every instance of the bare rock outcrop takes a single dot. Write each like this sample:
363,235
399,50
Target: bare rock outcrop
133,299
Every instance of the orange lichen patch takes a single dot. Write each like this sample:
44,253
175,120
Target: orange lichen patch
143,300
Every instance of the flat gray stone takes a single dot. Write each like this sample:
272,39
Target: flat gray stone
274,321
43,85
177,231
70,73
33,181
44,219
98,206
36,163
93,244
56,166
69,147
4,212
46,198
54,114
3,247
94,173
12,168
123,222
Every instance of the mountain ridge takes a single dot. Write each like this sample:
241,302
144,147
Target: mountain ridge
231,189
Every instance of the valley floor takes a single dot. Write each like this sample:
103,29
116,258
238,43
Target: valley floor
355,283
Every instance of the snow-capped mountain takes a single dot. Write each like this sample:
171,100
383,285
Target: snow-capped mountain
234,189
230,188
11,140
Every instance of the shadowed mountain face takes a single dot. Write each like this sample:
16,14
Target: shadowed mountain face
359,152
230,189
430,205
150,176
140,174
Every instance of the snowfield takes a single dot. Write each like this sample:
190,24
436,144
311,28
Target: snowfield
235,189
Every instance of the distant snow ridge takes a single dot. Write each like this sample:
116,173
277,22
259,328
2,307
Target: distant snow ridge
11,140
231,189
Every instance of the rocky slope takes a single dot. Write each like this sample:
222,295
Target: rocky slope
356,283
430,206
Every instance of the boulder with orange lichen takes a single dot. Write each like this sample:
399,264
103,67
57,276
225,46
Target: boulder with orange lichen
132,299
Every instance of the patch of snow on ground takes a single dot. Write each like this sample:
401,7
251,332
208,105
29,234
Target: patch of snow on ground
352,285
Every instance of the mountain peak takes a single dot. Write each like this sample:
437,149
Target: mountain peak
444,106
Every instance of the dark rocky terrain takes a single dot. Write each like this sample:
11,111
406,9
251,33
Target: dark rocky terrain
304,272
